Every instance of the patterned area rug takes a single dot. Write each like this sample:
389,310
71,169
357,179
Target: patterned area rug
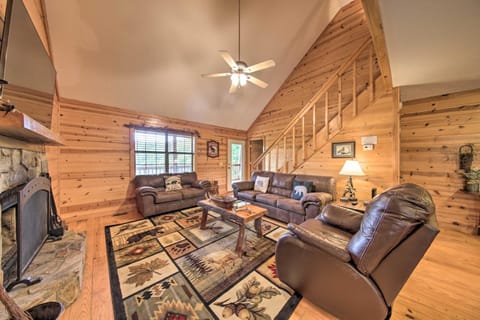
165,267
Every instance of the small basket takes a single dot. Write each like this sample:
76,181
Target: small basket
225,202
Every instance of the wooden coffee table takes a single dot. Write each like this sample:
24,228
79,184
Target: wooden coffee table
241,218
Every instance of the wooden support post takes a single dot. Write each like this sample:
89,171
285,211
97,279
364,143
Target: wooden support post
304,150
327,121
371,83
340,121
314,128
294,154
276,157
354,87
285,167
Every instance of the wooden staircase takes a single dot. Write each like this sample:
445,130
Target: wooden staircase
351,89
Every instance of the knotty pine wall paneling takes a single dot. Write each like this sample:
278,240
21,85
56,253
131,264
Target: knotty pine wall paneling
338,41
432,131
345,33
376,120
95,165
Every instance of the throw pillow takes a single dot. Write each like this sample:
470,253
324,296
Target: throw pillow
300,188
173,183
261,184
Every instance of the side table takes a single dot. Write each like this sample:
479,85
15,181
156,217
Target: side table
360,206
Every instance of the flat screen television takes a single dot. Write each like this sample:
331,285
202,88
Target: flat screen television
25,64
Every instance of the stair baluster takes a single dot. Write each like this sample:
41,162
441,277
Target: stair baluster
332,125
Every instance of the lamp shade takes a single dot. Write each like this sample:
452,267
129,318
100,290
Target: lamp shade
351,168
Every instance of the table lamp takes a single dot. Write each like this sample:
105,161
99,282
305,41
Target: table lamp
350,168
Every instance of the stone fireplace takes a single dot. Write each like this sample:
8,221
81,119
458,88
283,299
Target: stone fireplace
60,263
17,166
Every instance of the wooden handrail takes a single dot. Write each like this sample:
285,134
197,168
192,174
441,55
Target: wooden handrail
323,89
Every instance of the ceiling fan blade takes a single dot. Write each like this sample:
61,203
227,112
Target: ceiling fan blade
260,66
257,82
228,59
216,75
233,88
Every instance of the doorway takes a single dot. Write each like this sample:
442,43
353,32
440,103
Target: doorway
256,150
236,162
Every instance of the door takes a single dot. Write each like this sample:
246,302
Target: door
256,150
236,162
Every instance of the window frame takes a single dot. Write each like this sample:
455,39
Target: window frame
168,133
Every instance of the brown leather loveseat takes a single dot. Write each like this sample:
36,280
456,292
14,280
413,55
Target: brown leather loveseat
152,198
353,265
278,196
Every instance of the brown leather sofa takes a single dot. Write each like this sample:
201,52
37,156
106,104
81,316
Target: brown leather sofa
277,200
152,198
353,265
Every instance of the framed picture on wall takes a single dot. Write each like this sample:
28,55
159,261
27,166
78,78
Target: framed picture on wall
343,149
212,149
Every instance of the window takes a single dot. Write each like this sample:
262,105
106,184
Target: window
163,151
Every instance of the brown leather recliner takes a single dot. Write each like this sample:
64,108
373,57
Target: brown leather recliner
353,265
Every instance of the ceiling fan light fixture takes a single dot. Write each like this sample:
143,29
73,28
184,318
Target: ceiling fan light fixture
235,79
239,79
243,79
240,71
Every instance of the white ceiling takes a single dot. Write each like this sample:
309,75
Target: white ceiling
148,55
433,45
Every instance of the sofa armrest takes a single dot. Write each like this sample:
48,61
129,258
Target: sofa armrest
329,242
343,218
242,185
318,199
146,191
202,184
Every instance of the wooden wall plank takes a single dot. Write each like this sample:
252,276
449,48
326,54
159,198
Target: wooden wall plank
432,131
95,165
377,164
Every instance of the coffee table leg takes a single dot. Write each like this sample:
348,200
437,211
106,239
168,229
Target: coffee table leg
203,222
240,240
258,227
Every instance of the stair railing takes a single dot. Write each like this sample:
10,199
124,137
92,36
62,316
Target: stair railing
279,158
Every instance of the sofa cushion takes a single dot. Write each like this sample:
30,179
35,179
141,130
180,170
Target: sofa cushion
188,178
261,184
280,191
301,188
173,183
248,194
282,180
189,193
320,183
163,197
256,174
268,198
290,205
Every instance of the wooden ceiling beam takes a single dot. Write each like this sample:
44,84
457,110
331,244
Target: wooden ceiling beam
374,20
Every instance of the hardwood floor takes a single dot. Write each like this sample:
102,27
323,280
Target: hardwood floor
445,285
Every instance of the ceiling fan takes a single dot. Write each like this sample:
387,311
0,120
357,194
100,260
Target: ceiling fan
240,72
